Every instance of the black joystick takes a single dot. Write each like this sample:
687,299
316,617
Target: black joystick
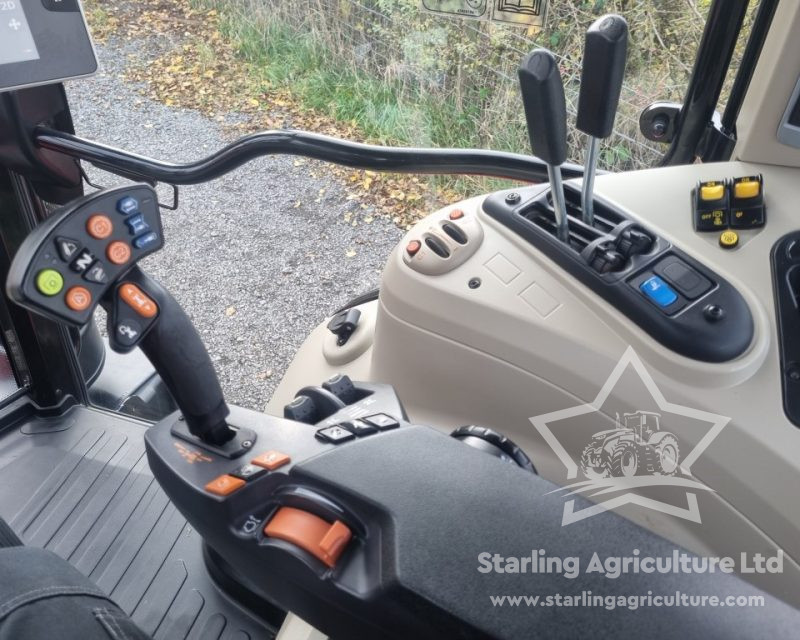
605,50
546,115
85,254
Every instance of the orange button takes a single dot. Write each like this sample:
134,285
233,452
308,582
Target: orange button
118,252
456,214
412,247
99,226
271,460
78,299
138,300
323,540
224,485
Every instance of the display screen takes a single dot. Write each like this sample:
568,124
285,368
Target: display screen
16,40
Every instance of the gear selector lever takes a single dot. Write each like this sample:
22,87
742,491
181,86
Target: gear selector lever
546,115
604,53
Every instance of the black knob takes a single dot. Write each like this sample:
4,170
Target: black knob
605,51
545,107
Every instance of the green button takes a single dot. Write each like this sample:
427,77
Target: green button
49,282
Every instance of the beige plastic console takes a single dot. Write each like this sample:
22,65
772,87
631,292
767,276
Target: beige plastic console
532,340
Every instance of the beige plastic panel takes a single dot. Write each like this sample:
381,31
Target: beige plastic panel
775,77
532,340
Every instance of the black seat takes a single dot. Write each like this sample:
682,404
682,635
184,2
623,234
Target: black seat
43,596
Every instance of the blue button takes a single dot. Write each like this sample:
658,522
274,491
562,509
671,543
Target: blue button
137,224
146,241
658,291
127,205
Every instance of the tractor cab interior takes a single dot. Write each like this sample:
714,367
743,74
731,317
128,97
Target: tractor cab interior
409,471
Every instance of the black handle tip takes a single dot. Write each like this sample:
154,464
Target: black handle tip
545,107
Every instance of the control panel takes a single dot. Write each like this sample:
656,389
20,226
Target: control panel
448,241
42,42
670,295
68,263
728,206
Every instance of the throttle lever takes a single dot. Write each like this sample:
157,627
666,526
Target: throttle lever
546,115
605,50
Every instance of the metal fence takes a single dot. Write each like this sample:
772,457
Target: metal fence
471,65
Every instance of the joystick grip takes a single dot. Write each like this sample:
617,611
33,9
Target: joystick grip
177,353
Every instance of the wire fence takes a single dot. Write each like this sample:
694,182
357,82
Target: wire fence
466,68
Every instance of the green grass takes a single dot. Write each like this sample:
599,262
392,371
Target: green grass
386,112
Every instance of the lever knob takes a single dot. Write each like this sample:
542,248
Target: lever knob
545,107
605,51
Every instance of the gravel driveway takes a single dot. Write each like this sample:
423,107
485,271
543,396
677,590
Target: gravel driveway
255,270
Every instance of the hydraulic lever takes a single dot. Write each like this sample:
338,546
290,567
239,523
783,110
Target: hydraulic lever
604,54
546,116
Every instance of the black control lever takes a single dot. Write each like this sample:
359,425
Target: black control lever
546,116
141,312
604,53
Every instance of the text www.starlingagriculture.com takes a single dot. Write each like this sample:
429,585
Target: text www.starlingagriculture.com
631,602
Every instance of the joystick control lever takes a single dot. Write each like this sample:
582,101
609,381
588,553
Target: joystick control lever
605,49
141,312
546,115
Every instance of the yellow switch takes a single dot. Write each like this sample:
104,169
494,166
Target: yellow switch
712,191
728,239
746,189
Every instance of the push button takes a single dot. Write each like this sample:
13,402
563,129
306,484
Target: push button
224,485
127,205
96,273
324,540
456,214
128,332
382,422
138,300
271,460
746,189
688,281
146,241
711,192
248,472
99,226
137,224
82,262
359,427
67,248
728,239
335,434
49,282
658,291
118,252
413,247
78,299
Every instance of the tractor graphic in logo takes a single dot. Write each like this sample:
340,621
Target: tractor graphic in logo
637,446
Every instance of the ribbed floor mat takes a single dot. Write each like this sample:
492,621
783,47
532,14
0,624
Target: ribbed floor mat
81,487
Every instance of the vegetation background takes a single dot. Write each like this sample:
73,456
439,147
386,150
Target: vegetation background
386,72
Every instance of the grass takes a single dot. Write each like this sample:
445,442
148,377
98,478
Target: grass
284,58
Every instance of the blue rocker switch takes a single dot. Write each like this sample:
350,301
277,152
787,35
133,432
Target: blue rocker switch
658,291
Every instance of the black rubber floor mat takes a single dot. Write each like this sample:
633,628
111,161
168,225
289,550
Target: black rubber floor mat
80,486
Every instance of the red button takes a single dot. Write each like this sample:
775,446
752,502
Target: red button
224,485
99,226
118,252
413,247
324,540
78,299
138,300
271,460
456,214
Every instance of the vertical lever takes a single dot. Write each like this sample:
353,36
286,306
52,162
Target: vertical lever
604,54
546,115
